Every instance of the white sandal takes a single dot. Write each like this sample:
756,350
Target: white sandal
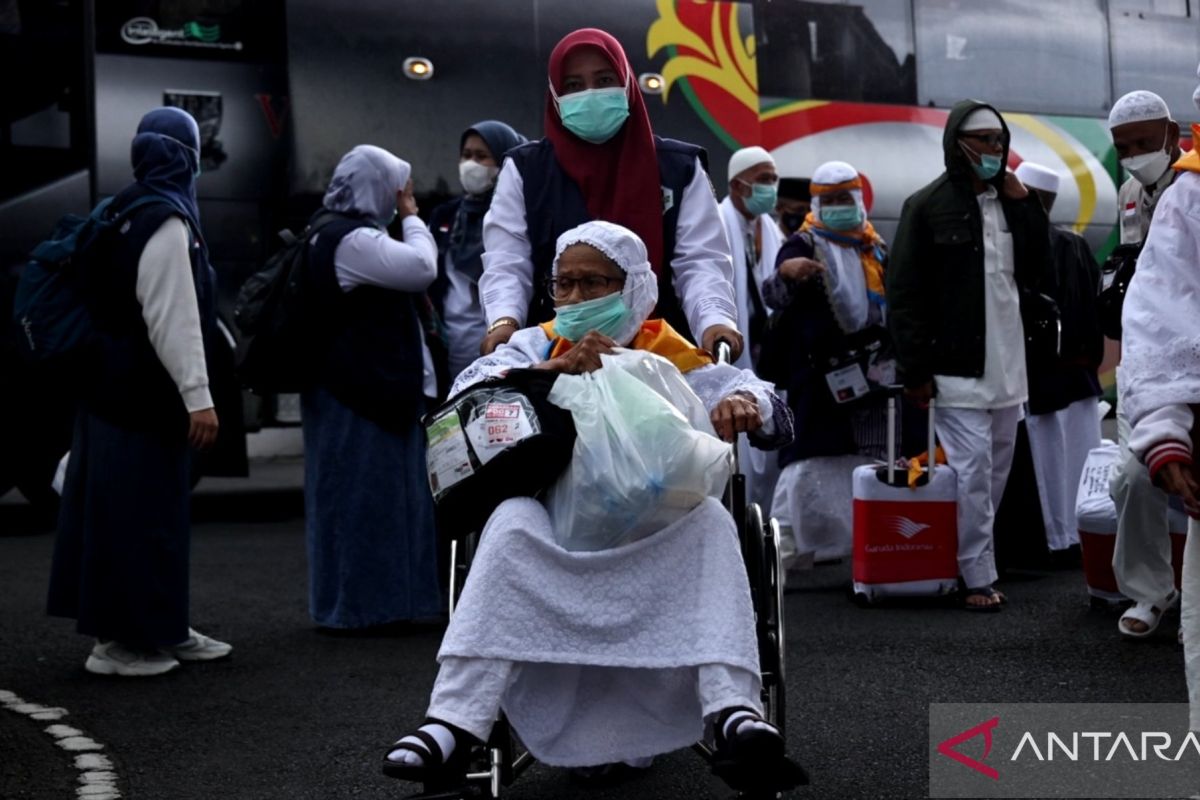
1149,614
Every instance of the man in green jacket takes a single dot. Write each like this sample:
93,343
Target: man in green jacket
970,246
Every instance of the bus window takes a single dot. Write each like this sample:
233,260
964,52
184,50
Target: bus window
43,133
1019,55
1156,51
858,51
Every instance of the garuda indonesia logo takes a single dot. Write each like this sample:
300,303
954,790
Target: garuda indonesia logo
905,527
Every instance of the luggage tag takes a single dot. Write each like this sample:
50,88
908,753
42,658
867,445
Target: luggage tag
499,427
848,383
447,457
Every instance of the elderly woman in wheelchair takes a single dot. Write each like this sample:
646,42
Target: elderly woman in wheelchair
617,654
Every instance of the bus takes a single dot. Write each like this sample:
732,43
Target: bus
282,88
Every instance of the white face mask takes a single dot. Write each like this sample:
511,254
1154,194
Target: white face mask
1148,167
476,178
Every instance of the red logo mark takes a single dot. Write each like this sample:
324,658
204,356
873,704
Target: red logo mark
274,118
946,748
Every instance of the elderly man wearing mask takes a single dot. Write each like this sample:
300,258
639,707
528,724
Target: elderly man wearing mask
754,240
600,160
1147,142
668,641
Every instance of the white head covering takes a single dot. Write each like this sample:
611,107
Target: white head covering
366,181
1138,106
746,158
1035,176
624,248
831,173
981,119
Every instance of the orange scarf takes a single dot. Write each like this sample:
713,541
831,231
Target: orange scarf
870,250
656,336
1190,161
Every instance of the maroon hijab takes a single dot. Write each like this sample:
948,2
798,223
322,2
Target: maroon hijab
618,178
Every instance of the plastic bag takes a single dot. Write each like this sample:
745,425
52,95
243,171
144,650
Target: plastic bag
645,453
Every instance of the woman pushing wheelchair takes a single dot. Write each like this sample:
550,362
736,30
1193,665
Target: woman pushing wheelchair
616,654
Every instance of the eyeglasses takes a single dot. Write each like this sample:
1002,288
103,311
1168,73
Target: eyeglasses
990,139
591,286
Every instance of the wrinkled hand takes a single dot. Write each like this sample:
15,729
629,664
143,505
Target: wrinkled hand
406,203
921,395
202,428
737,413
584,356
715,332
1176,478
496,338
1013,188
800,269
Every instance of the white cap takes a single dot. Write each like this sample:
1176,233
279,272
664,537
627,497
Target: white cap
981,119
746,158
1035,176
1138,106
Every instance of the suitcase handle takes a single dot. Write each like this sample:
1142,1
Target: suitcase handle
894,393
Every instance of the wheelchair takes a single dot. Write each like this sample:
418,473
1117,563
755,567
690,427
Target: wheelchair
497,763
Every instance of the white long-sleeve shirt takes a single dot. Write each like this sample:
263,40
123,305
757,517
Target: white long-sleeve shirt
1004,383
166,291
702,268
369,257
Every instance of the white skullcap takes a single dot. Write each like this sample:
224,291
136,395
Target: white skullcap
981,119
626,249
1035,176
746,158
832,173
1138,106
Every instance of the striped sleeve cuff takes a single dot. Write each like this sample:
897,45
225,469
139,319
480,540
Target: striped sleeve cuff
1165,453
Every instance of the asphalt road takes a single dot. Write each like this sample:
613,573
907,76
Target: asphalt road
296,713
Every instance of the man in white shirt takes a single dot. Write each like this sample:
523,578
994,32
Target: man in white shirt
967,245
1147,142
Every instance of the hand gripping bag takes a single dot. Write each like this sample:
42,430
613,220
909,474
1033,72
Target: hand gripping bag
498,439
644,455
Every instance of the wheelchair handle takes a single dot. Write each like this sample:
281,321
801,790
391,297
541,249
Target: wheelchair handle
724,352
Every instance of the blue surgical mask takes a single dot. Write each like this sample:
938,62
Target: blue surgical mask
842,218
762,199
594,115
989,165
606,315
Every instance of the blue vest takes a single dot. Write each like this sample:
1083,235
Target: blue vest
127,384
373,361
554,204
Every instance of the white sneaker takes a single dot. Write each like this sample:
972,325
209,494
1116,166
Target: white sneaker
198,647
113,658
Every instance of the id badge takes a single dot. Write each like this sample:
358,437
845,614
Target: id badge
847,383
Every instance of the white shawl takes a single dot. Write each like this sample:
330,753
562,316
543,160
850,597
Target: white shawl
735,230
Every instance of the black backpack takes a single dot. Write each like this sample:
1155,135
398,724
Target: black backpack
277,317
498,439
1118,271
50,310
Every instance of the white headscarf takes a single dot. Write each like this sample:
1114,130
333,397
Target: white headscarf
831,173
1138,106
366,182
624,248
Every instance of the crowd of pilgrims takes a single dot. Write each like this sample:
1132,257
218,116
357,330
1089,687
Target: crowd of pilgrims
600,235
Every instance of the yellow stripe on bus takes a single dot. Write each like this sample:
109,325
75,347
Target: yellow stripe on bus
1070,155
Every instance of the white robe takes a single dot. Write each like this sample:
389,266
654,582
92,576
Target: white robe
1160,369
608,644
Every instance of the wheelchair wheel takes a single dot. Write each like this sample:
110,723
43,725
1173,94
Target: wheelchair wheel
772,647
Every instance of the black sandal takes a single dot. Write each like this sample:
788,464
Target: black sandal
984,591
435,771
754,760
